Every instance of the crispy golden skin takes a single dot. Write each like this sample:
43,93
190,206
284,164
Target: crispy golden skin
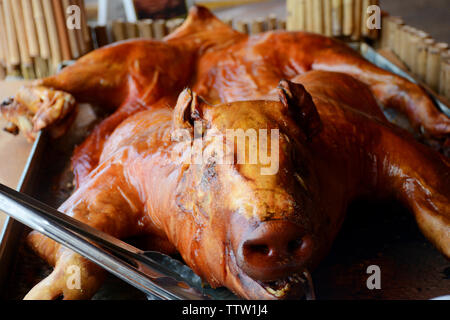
234,226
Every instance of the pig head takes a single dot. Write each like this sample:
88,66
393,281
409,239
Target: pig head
251,193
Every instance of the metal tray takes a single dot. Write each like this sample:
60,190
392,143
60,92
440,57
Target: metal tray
384,234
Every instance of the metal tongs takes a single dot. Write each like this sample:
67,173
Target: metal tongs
136,267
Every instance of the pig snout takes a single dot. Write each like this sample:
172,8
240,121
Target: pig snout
274,250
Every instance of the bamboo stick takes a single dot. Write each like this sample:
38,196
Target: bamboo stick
348,23
358,18
411,42
327,18
444,82
131,30
3,39
146,28
41,67
13,46
403,39
309,18
422,57
281,24
26,61
41,27
242,26
62,30
101,36
337,14
434,64
228,22
30,28
257,26
398,36
71,33
85,30
416,51
56,57
387,30
2,72
159,29
271,22
79,33
173,24
318,17
291,15
365,16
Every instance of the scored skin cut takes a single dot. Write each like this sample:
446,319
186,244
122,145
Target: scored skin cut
127,184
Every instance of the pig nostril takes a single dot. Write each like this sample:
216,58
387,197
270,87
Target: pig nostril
293,245
257,248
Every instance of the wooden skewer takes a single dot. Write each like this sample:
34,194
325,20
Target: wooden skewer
271,22
30,28
62,30
159,29
358,18
146,28
348,25
52,35
257,26
13,47
434,64
337,13
39,19
131,30
71,33
327,18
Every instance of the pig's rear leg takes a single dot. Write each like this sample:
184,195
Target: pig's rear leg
105,202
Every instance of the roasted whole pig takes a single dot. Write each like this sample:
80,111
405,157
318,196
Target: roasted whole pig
233,225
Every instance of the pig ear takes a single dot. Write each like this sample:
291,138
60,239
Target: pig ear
188,109
298,101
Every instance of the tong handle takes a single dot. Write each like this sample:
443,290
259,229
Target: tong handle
71,233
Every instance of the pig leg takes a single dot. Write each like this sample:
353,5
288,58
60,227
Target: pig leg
141,70
417,176
391,90
106,202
